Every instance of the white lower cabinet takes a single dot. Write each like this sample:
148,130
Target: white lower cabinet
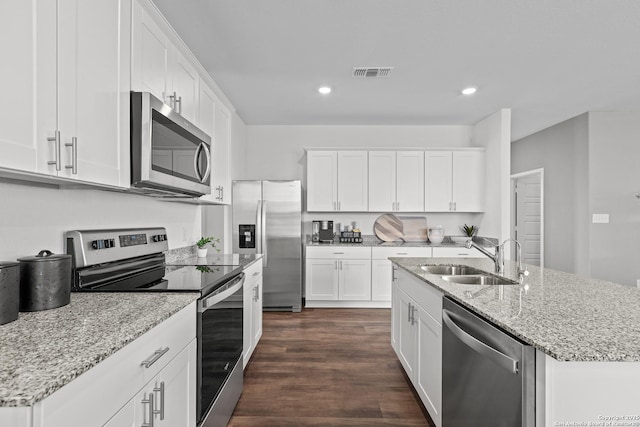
416,337
381,271
252,310
117,392
334,274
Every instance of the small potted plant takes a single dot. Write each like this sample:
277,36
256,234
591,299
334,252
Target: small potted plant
470,231
203,242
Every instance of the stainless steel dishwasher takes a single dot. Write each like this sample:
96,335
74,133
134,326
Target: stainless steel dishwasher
488,376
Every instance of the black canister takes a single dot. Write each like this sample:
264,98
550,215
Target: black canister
45,281
9,291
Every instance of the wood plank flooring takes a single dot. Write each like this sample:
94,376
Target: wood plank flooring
327,367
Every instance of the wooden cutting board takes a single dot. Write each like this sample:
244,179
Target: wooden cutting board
414,228
388,228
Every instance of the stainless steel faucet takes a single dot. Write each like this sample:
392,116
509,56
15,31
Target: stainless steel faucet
498,257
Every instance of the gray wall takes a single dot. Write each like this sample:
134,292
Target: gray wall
614,180
561,151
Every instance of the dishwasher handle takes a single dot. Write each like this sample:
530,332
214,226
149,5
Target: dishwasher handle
497,357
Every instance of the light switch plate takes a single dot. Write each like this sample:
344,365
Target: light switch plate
600,219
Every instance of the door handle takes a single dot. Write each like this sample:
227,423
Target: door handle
160,390
56,150
74,155
154,358
264,233
149,401
196,167
497,357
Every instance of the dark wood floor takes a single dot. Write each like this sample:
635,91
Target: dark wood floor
327,367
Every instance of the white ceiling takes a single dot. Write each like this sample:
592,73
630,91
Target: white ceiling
547,60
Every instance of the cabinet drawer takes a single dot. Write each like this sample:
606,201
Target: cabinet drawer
457,252
100,392
338,252
425,295
384,253
253,272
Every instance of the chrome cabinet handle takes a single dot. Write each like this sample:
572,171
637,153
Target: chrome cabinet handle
413,315
339,205
335,206
338,253
256,273
335,265
172,101
179,103
74,155
340,261
394,269
219,190
151,411
160,390
393,206
499,358
56,149
409,312
397,206
402,253
265,249
454,206
154,357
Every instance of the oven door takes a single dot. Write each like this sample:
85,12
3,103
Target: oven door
167,151
219,367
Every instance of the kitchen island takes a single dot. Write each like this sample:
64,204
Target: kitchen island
586,333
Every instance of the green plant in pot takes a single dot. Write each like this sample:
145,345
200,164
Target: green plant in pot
202,245
470,231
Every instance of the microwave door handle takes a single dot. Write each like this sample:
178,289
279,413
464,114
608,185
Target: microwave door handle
207,153
196,156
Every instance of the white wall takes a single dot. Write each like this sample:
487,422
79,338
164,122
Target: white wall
36,217
494,133
562,151
278,152
614,182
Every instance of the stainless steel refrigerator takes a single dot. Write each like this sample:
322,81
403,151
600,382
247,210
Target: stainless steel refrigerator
267,219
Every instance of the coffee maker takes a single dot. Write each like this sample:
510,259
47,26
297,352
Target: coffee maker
322,231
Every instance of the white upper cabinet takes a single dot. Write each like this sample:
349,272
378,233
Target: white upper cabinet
352,181
159,67
454,181
93,82
382,181
322,181
67,108
409,181
28,110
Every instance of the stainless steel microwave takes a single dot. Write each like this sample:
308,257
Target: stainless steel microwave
169,155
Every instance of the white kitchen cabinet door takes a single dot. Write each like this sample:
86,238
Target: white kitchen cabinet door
407,333
381,274
352,181
207,101
438,177
355,280
125,417
322,181
395,317
28,107
321,279
428,380
150,55
252,314
468,181
220,149
409,181
382,181
256,326
184,88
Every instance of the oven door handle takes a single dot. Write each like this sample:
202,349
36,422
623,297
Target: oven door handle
227,290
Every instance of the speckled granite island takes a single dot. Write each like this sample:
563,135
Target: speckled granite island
586,333
42,352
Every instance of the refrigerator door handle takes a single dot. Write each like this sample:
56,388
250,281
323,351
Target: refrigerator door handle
259,227
264,234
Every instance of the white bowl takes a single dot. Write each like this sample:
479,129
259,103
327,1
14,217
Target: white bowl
436,239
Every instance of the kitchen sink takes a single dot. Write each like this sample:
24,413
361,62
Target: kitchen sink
451,270
479,279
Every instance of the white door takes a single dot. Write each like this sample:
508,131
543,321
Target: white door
93,72
257,313
28,71
410,181
438,181
353,193
321,279
149,56
382,181
322,181
407,333
429,364
528,217
468,181
381,270
355,280
177,380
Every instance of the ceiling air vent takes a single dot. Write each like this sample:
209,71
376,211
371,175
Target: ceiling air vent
371,72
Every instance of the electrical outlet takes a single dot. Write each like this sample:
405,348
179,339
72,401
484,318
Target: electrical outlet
600,219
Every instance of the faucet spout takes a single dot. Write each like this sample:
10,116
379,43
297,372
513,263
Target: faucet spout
496,257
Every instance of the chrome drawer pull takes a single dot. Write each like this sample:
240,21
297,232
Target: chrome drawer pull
160,389
154,358
149,400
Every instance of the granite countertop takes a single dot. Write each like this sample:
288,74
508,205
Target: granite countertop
373,241
44,350
568,317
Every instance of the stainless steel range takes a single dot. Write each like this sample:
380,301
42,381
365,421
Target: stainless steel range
133,260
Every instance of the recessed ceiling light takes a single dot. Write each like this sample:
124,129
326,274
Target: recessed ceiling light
469,91
324,90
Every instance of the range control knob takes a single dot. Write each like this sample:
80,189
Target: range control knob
155,238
